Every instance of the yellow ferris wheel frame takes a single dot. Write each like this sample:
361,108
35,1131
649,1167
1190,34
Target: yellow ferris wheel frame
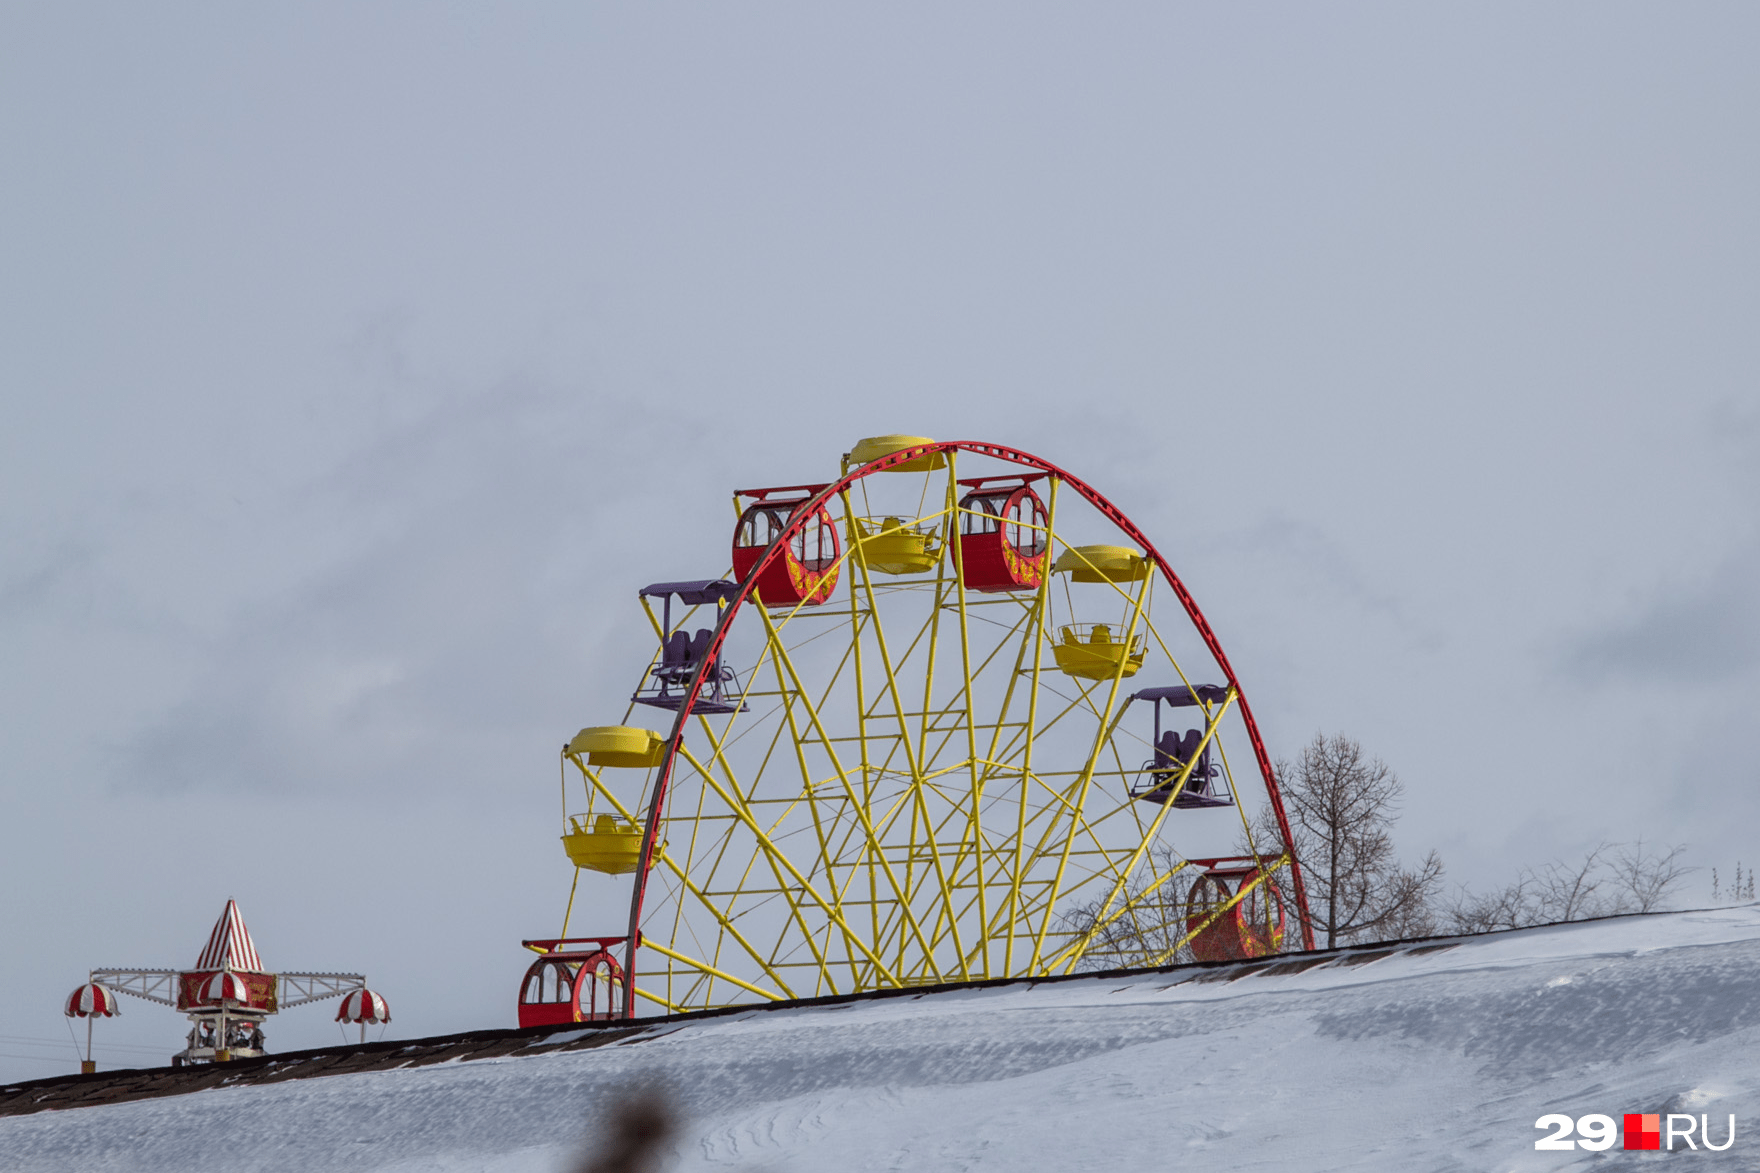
885,860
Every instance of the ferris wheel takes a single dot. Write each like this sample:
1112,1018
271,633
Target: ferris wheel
948,717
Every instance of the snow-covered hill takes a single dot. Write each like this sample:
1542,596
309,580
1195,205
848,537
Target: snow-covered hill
1429,1059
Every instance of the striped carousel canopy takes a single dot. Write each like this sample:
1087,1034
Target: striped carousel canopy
92,1001
229,945
363,1006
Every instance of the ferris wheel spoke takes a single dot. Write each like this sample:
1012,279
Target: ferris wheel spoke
779,862
866,860
725,921
891,676
1074,799
808,778
1033,733
789,681
1025,634
1078,799
718,974
776,859
719,758
931,629
1179,783
1034,640
920,817
1073,952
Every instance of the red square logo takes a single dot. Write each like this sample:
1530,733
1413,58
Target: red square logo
1643,1130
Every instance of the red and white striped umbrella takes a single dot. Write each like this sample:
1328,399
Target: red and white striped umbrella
224,987
364,1006
92,1001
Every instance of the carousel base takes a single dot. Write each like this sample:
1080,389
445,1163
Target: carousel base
194,1055
220,1039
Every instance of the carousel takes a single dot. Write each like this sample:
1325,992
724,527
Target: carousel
226,996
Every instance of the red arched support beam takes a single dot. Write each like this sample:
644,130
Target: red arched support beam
997,451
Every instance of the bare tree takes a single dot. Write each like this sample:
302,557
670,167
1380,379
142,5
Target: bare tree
1556,891
1341,807
1503,908
1149,931
1571,892
1608,880
1647,881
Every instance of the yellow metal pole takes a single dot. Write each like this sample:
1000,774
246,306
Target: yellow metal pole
1080,788
1041,604
915,792
1179,785
808,788
656,998
974,835
1079,947
737,804
723,975
782,860
569,911
861,684
665,857
862,811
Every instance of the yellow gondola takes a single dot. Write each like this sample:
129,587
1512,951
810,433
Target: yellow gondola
1095,654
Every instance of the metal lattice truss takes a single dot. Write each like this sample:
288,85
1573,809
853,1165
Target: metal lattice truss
295,989
915,793
155,985
299,988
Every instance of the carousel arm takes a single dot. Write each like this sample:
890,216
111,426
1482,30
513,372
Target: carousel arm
315,987
154,985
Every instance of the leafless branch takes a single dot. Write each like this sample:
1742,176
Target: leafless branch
1646,881
1342,806
1151,928
1609,879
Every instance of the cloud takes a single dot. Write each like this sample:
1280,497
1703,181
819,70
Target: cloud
1703,632
1306,555
442,593
44,578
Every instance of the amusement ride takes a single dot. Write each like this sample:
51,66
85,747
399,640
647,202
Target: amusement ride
226,995
940,719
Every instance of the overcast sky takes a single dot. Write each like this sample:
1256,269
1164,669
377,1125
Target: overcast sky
357,364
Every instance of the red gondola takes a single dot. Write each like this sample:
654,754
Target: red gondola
806,571
1002,535
1252,928
570,984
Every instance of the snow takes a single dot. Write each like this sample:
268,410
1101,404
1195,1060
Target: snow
1432,1061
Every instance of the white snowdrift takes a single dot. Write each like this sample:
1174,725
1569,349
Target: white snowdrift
1438,1061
